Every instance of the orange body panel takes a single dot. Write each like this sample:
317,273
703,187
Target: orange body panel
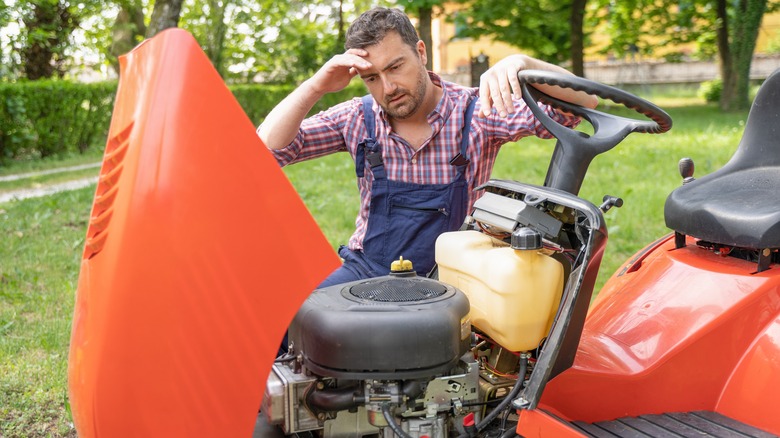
198,254
678,330
538,424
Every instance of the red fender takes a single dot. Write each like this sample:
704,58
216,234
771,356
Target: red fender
197,255
675,330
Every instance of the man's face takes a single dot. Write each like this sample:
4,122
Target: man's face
398,78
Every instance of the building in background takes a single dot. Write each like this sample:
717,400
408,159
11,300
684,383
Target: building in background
456,58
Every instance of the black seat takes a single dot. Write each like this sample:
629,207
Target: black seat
739,204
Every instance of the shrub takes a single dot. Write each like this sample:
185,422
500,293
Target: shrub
50,117
258,100
710,90
53,117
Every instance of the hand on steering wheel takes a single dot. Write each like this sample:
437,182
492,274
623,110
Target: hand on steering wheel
576,149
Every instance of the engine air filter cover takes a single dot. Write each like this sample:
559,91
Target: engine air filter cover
386,327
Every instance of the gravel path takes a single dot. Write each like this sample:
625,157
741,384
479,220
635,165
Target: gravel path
48,172
48,189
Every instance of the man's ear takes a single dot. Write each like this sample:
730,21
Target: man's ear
421,51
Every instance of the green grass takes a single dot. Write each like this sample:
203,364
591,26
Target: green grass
41,241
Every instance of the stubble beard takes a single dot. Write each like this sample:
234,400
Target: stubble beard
415,102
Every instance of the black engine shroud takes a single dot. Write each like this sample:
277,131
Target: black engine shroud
390,327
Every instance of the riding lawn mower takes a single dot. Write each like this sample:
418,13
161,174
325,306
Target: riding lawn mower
199,255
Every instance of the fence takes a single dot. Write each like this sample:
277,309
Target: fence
656,72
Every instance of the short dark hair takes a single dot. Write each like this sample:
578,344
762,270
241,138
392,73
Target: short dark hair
372,26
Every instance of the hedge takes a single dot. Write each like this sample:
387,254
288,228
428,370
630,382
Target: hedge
45,118
258,100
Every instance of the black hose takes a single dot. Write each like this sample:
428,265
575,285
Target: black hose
412,389
391,422
511,433
507,400
335,399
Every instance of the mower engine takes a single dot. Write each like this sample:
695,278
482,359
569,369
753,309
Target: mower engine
408,356
365,354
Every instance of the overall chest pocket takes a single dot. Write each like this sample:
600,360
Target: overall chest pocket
415,220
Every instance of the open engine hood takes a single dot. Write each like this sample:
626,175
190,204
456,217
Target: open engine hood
197,256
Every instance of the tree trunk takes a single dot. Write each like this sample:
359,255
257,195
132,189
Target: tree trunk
743,44
166,14
727,74
216,41
42,58
128,28
577,37
341,35
425,14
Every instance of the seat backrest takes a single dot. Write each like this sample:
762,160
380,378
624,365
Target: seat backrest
760,144
737,204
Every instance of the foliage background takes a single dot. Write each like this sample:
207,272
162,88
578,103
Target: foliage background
40,119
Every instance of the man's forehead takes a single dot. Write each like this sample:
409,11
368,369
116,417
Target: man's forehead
389,49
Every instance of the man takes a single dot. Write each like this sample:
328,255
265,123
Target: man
421,145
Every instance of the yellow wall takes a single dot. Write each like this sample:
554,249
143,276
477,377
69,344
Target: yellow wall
453,55
769,32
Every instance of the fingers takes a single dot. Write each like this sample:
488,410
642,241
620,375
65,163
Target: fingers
350,60
496,90
505,90
484,98
496,94
515,84
339,71
499,86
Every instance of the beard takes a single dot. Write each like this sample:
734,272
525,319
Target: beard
412,102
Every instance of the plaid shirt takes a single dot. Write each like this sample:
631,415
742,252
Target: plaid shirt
341,128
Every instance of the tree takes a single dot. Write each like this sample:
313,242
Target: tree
45,30
423,9
547,29
577,37
128,30
736,43
207,21
165,14
728,29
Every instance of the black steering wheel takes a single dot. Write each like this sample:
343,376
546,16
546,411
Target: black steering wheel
575,150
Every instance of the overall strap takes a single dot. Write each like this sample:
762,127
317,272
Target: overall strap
368,149
461,159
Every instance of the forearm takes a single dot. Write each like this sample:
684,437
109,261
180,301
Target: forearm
500,85
576,97
281,125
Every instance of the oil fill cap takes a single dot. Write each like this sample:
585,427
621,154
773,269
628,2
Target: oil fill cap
401,265
526,238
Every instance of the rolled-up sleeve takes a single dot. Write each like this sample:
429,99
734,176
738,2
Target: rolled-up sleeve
320,134
522,123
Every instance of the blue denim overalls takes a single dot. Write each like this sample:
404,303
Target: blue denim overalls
404,218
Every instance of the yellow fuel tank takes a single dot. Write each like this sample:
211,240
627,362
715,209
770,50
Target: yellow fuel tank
514,293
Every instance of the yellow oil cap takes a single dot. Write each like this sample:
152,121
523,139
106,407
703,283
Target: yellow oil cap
401,265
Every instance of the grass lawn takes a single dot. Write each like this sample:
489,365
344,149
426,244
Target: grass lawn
42,240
